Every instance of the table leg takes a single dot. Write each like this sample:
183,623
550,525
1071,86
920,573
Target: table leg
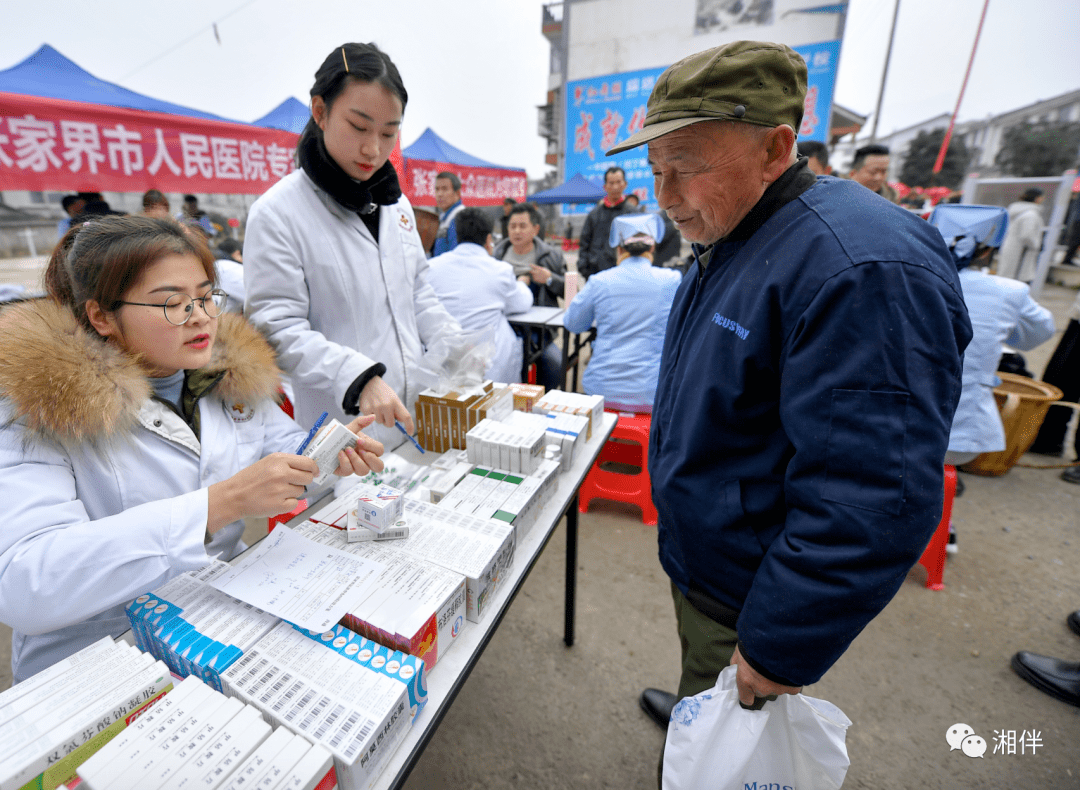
565,358
571,568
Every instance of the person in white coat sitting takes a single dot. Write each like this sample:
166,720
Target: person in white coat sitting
334,268
480,291
1001,311
137,430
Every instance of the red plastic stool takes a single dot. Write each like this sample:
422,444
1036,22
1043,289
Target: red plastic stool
633,489
933,559
281,518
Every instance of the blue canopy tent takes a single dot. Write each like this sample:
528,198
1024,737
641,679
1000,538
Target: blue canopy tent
49,74
429,147
290,116
576,189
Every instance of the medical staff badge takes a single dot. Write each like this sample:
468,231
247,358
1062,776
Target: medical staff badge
239,412
405,222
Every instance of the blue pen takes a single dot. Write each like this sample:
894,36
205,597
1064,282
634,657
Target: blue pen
401,428
311,434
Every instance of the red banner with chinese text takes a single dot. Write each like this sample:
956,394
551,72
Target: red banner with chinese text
52,144
480,186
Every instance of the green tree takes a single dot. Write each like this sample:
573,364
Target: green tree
921,154
1039,149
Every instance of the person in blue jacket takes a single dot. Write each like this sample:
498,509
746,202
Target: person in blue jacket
629,305
809,376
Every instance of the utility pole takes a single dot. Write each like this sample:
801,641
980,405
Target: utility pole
884,74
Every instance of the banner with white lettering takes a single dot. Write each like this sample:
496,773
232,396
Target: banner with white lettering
52,144
480,186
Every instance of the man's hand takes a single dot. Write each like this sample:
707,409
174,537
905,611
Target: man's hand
751,684
364,457
379,399
539,274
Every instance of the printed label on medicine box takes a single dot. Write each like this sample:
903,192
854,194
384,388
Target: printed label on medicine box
324,450
380,509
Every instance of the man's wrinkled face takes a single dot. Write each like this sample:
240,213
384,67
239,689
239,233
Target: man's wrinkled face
707,177
872,173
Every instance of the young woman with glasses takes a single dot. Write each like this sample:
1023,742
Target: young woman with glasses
137,430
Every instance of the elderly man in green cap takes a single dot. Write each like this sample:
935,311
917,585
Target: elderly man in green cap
809,375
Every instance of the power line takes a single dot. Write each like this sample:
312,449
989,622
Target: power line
212,27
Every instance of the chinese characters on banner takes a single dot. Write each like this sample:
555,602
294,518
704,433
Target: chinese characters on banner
480,186
603,111
52,144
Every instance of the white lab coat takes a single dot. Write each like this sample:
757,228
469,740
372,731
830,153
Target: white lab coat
92,523
333,302
1001,311
1019,252
230,279
480,291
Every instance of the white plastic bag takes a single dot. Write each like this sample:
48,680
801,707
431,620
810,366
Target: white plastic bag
457,362
793,743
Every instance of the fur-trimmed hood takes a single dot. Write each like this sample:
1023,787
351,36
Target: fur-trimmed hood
69,384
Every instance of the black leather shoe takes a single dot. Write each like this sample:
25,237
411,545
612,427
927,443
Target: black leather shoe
1074,622
1060,679
1071,475
658,705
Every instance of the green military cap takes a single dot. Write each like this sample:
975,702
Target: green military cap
751,81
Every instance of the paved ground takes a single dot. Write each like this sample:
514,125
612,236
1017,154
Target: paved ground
536,714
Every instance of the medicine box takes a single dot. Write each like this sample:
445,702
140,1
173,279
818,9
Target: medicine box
378,508
359,715
526,396
54,721
355,532
559,402
441,419
325,448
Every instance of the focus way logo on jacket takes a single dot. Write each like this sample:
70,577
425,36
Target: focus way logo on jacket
732,326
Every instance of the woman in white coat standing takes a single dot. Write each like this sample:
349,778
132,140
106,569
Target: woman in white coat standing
137,430
1020,250
334,267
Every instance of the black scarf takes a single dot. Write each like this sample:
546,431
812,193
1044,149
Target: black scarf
363,197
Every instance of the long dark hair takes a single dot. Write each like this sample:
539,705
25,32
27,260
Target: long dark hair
356,62
103,258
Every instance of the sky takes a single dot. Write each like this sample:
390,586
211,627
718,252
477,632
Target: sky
476,70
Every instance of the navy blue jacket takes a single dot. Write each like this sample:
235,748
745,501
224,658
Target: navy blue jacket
808,381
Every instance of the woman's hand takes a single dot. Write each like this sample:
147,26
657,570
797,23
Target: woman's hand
269,487
364,457
379,399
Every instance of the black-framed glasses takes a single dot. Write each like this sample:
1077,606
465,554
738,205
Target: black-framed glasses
179,307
